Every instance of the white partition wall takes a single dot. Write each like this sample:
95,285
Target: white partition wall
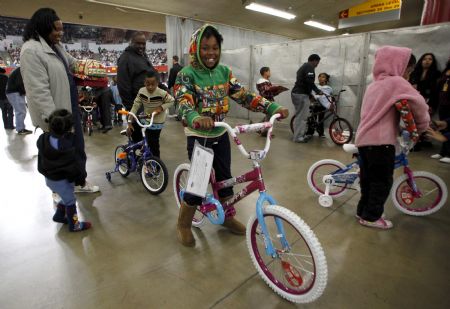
348,59
239,62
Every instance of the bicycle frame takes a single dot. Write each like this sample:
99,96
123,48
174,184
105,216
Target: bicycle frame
132,147
328,113
88,110
342,176
256,183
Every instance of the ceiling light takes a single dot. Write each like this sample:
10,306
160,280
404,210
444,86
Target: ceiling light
268,10
316,24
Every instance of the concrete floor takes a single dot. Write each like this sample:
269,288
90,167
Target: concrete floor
131,258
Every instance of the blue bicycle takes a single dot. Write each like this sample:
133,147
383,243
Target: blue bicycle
138,157
413,193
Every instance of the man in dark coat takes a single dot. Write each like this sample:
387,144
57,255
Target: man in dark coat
132,67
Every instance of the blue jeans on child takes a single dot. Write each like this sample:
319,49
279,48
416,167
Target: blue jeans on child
20,109
65,190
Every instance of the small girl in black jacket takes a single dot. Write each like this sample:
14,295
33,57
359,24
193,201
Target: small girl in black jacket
57,162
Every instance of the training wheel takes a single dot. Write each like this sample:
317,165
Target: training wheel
108,176
325,200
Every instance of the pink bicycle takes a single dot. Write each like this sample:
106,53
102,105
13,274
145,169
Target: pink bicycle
283,248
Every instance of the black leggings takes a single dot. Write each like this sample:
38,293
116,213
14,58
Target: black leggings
221,164
376,178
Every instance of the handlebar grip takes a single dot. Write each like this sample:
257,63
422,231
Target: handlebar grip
122,112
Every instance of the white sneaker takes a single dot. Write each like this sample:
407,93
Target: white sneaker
445,160
87,188
436,156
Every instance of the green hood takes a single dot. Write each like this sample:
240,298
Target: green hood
194,49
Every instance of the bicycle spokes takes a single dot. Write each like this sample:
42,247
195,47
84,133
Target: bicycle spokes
292,264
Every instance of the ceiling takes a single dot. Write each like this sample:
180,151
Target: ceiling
150,16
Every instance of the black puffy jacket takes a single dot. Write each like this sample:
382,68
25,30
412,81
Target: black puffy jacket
59,164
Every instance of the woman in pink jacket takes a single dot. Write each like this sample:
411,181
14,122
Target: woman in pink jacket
378,130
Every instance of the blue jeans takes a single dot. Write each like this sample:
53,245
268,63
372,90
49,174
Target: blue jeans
7,114
65,190
301,103
20,109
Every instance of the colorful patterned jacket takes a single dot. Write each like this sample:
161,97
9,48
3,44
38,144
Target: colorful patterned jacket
201,91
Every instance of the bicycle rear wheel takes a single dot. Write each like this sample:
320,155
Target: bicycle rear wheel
433,189
320,169
122,163
154,175
341,131
299,271
180,179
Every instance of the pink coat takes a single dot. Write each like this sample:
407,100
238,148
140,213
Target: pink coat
379,119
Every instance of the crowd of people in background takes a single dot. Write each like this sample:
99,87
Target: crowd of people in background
72,32
157,56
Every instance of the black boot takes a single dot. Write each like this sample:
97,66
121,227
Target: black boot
72,218
60,214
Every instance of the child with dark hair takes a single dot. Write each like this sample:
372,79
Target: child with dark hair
321,105
203,90
267,90
152,99
57,162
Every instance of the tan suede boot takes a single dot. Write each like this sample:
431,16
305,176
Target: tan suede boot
231,223
184,232
234,226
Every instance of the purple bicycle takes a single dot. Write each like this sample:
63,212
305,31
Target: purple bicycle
283,248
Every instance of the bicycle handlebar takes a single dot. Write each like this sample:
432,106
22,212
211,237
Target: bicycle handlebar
248,128
87,108
137,117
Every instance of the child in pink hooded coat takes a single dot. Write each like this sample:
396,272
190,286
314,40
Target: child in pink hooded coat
378,130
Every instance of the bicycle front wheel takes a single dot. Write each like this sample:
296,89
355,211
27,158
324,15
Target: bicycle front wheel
180,179
433,190
154,175
298,272
341,131
320,169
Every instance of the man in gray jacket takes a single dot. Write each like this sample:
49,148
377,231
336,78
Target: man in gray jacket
300,96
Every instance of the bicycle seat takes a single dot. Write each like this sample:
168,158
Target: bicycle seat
350,148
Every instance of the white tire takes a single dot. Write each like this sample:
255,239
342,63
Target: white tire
432,187
315,182
180,182
313,282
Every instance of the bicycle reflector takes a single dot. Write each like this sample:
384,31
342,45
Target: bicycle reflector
291,274
122,155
